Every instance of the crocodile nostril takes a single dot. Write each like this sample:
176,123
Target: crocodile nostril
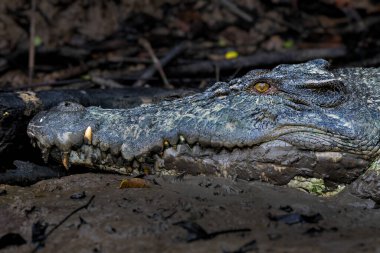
68,106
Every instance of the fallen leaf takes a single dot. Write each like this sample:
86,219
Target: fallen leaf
134,183
294,218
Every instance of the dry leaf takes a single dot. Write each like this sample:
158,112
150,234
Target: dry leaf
134,183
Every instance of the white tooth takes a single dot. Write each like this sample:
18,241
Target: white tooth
88,135
65,160
166,144
181,139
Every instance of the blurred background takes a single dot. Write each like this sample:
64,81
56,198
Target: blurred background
171,43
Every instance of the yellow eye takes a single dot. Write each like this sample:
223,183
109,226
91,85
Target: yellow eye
261,87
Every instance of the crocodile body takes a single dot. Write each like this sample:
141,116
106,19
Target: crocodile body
301,120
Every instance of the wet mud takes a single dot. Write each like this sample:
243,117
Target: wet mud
89,213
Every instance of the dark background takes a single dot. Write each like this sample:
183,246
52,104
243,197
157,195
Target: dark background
79,41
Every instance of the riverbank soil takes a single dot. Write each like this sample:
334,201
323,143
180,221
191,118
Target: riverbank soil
189,214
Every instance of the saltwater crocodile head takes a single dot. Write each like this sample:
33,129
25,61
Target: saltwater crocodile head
294,120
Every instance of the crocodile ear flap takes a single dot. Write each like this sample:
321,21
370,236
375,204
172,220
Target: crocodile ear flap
309,66
319,63
257,72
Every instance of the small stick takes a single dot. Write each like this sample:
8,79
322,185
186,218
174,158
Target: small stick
217,73
62,221
156,63
52,83
32,32
236,10
162,62
109,83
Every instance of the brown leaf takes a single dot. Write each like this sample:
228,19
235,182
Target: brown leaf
134,183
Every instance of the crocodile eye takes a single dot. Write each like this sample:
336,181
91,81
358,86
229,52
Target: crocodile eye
261,87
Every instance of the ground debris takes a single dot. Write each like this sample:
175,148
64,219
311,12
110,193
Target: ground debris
134,183
109,221
196,232
42,237
3,192
11,239
318,230
294,218
78,195
247,247
38,231
27,173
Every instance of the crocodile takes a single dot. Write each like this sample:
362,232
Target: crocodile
294,121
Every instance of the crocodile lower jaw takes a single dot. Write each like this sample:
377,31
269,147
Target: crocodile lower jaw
275,161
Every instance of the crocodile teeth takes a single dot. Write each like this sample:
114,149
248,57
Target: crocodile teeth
135,164
45,154
184,149
65,160
88,135
182,139
166,144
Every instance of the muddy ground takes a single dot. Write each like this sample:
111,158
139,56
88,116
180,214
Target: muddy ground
183,215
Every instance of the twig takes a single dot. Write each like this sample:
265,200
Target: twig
175,51
62,221
258,60
156,62
197,232
32,32
234,74
217,73
236,10
247,247
69,72
52,83
109,83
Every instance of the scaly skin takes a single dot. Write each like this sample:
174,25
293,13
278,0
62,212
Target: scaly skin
312,122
